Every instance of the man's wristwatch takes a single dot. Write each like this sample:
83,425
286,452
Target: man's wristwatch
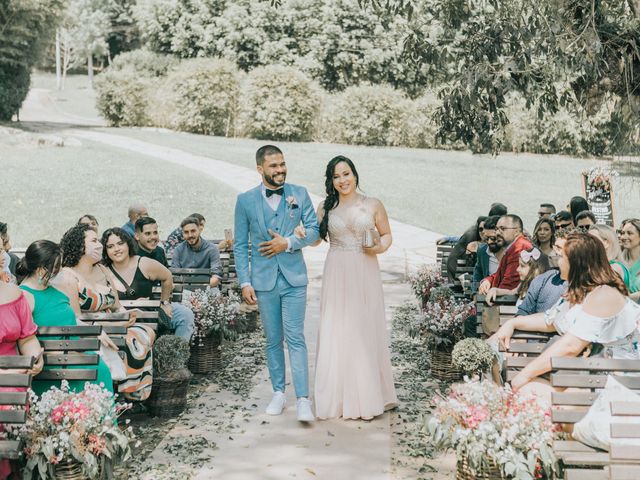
165,302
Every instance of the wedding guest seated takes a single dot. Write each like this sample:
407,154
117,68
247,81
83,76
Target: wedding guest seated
17,337
462,247
5,243
136,211
175,238
532,264
546,289
89,220
510,231
181,318
563,219
82,254
597,311
196,252
544,237
546,210
51,306
630,243
576,205
489,253
585,219
5,260
148,240
607,235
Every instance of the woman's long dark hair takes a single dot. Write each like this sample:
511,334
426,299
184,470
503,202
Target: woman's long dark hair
576,205
333,198
40,254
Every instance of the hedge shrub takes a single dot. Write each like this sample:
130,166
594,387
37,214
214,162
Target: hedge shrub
14,87
366,115
201,96
122,97
279,103
144,62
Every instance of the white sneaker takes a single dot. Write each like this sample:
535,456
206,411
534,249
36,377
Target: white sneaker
277,404
304,410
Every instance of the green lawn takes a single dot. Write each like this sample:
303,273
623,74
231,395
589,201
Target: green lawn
439,190
48,188
435,189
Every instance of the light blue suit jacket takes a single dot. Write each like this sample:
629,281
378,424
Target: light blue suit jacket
250,226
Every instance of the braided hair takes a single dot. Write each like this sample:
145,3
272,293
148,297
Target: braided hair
333,197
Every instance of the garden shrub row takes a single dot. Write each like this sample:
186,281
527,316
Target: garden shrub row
213,97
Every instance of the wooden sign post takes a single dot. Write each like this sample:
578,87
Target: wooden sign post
598,190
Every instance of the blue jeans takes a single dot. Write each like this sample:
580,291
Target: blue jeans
282,313
181,320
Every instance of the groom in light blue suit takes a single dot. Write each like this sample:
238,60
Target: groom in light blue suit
275,275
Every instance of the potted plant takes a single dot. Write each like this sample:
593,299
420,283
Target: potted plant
170,376
496,434
69,435
441,324
217,318
473,357
424,281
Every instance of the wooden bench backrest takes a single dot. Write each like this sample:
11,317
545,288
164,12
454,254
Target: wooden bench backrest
17,401
585,377
69,350
625,459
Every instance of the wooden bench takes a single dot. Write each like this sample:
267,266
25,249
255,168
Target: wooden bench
462,283
118,333
624,460
68,351
17,401
586,377
506,305
176,295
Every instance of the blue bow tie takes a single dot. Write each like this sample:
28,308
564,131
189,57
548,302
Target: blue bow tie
279,191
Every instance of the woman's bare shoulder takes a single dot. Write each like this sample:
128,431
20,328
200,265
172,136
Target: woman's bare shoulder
604,301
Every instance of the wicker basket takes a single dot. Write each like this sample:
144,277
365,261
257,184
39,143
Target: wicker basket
441,367
206,355
464,472
169,395
69,471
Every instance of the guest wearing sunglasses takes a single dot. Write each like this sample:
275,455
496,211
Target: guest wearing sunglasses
563,219
489,253
546,210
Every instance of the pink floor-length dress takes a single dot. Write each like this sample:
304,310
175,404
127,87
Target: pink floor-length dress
353,376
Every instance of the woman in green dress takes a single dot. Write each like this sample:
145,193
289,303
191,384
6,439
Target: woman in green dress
51,306
630,243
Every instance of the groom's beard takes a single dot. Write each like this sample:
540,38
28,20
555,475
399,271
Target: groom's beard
275,184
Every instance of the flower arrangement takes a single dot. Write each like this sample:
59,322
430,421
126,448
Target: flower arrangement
441,323
424,281
472,356
170,355
486,423
216,315
599,178
73,427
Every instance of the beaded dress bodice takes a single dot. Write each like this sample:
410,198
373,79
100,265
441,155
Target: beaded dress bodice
347,225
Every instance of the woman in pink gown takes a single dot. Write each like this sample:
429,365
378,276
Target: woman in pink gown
353,368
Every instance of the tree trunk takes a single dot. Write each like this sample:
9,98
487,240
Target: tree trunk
90,68
58,62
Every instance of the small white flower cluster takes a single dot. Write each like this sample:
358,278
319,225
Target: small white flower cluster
484,422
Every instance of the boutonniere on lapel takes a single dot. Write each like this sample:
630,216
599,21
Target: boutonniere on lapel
292,204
